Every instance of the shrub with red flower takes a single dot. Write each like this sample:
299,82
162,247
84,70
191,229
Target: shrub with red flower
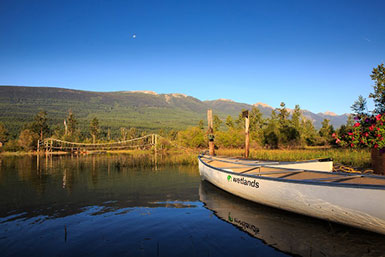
368,131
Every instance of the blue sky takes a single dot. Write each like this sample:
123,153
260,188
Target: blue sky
318,54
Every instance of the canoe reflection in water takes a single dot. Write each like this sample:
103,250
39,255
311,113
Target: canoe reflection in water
288,232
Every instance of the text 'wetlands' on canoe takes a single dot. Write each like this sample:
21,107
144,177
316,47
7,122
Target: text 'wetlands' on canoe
243,181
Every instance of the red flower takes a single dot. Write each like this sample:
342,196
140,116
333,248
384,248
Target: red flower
357,124
378,117
334,135
375,146
338,140
366,134
371,128
350,133
352,145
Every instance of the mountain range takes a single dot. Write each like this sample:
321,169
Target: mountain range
145,110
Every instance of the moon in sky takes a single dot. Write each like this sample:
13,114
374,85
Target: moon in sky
134,36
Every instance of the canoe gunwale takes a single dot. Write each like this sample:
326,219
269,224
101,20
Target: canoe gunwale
307,182
254,163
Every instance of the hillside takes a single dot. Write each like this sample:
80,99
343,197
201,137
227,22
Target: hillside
145,110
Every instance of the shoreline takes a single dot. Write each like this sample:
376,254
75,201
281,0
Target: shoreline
355,158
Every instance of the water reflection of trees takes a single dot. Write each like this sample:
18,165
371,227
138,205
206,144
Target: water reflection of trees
62,185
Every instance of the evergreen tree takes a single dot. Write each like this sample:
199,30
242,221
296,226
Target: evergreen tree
217,122
296,118
326,131
378,76
72,124
240,121
350,122
283,114
94,129
294,135
40,125
271,131
255,119
256,125
359,106
229,122
309,133
123,134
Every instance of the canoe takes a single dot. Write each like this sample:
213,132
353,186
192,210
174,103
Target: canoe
356,200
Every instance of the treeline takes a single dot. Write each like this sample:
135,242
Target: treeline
283,129
69,130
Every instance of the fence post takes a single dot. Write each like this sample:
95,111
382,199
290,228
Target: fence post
210,132
245,114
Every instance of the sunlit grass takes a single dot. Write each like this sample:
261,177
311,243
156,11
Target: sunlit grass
359,158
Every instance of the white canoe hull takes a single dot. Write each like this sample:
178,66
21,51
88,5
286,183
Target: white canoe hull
362,207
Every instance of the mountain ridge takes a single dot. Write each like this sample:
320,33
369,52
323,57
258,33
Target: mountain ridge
146,110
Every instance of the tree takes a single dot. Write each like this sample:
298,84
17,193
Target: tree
378,76
283,114
309,134
350,121
229,122
201,125
58,131
291,131
72,123
359,106
256,125
271,131
40,125
94,129
296,118
123,134
3,133
240,121
28,139
217,122
132,133
255,119
326,131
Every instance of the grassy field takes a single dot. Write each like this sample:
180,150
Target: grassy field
356,158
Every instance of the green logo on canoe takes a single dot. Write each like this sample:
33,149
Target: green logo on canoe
228,178
230,219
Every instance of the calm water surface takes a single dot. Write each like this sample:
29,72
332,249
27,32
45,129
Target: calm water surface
120,205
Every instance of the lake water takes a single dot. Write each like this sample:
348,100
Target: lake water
124,206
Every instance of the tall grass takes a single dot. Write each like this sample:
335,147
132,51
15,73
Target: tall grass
358,158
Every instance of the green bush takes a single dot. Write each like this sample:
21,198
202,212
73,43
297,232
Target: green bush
12,146
192,137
